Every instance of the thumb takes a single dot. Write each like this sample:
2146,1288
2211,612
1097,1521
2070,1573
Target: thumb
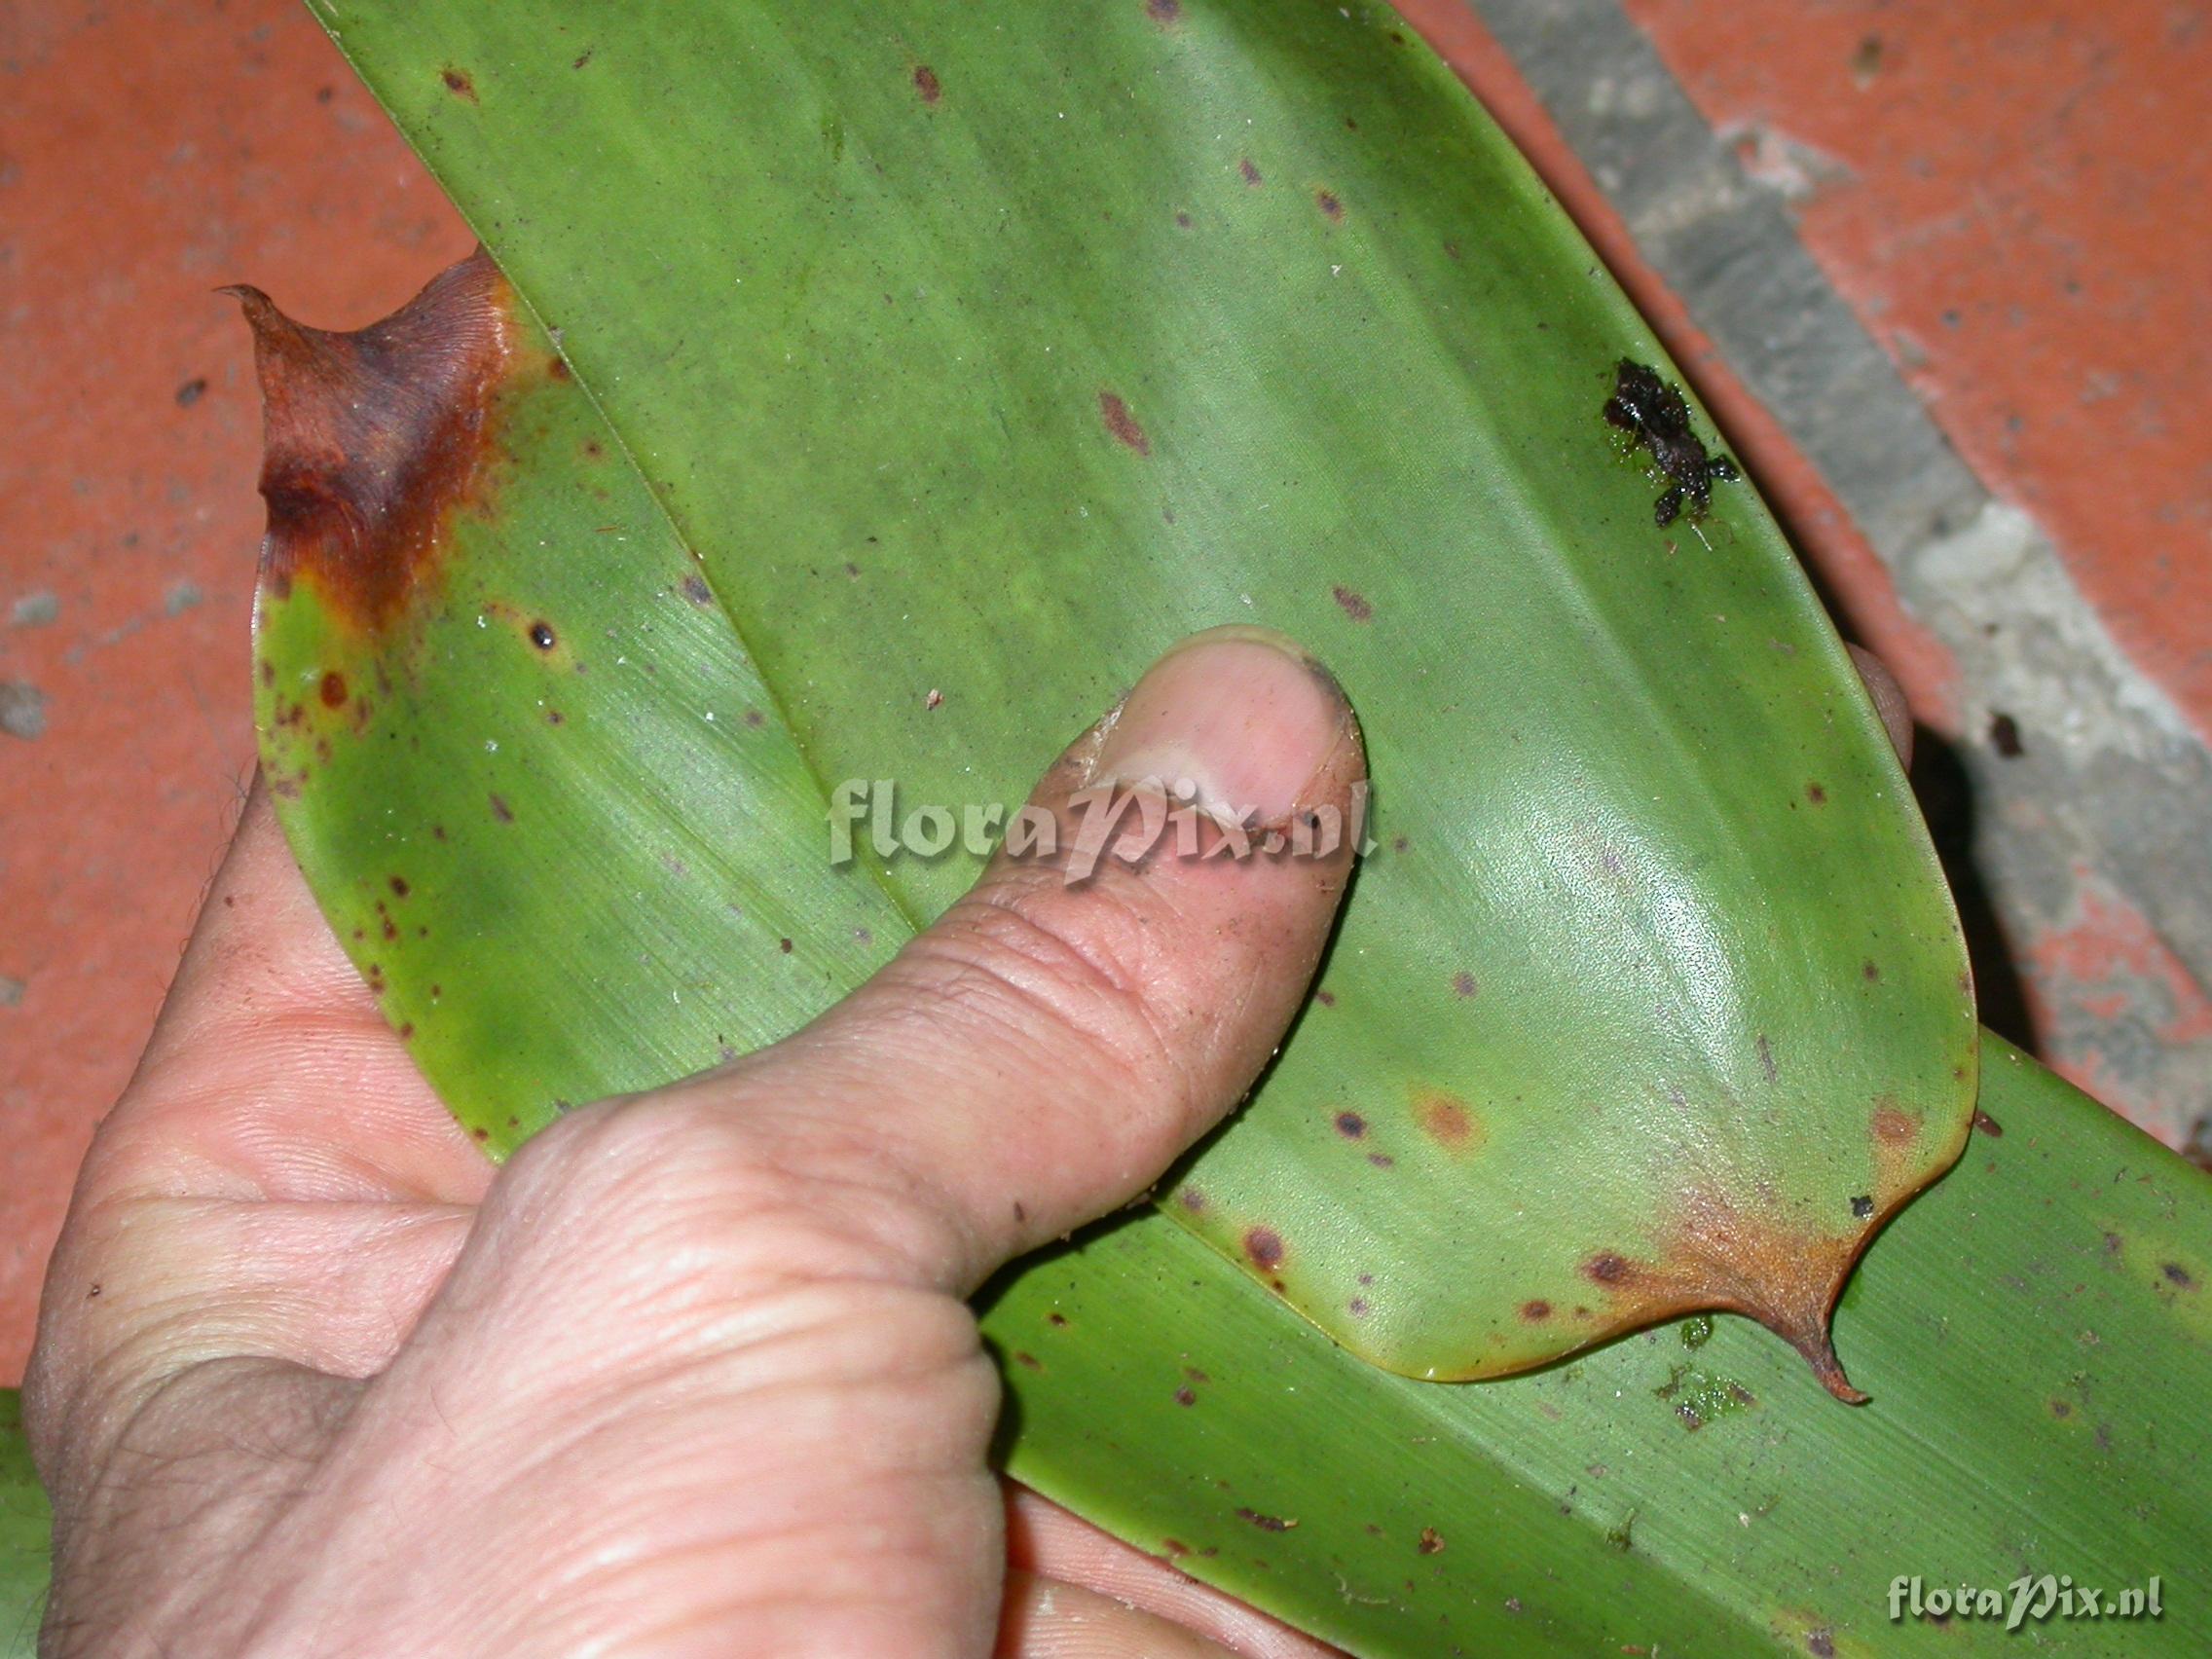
1114,984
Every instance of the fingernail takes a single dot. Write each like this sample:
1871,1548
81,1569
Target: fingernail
1243,716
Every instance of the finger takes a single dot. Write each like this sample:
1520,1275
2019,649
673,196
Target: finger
1052,1545
1043,1618
1040,1053
1889,700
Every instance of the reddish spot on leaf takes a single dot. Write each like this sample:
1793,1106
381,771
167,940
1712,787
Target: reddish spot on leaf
374,440
459,84
1266,1522
1463,985
1817,793
1121,424
1329,205
1028,1361
1264,1245
1352,605
1186,1396
1250,174
1431,1541
1327,999
399,886
695,590
1607,1267
1192,1200
501,811
1447,1122
1350,1125
1987,1125
1164,10
1382,1160
1357,1307
1870,972
333,690
1895,1127
927,84
1536,1312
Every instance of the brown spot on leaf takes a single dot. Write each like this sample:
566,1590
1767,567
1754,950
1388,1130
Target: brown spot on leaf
1351,604
1817,793
2179,1275
1121,424
458,82
373,440
1607,1267
500,810
333,689
1870,972
1185,1396
1892,1126
2061,1410
1463,985
399,887
1266,1522
1431,1541
1190,1198
1264,1246
542,637
1987,1125
1164,10
1382,1160
1027,1360
1766,1058
1820,1644
1327,999
1447,1122
927,84
1327,202
1249,172
1536,1312
1350,1125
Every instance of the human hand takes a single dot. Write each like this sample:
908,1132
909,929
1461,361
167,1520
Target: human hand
693,1373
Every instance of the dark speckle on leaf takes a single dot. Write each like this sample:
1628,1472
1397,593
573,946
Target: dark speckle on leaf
1350,1125
1185,1396
1607,1267
1121,424
2005,737
927,84
1463,985
2177,1274
1535,1311
1862,1206
1351,604
1431,1541
1327,202
501,811
459,84
1249,173
1987,1125
1164,10
1266,1522
1264,1246
541,636
1817,793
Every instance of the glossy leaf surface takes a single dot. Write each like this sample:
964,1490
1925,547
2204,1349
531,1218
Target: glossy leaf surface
976,357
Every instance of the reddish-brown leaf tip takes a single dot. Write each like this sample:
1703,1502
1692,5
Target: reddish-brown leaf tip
372,439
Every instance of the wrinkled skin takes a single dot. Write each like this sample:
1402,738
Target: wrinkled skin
693,1373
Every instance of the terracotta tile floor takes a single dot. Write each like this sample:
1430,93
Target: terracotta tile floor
2005,195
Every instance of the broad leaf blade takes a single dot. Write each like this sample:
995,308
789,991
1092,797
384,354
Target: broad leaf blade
982,359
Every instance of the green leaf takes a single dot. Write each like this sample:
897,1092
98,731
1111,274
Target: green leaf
25,1525
974,360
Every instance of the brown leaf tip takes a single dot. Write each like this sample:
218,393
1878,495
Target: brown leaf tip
372,439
